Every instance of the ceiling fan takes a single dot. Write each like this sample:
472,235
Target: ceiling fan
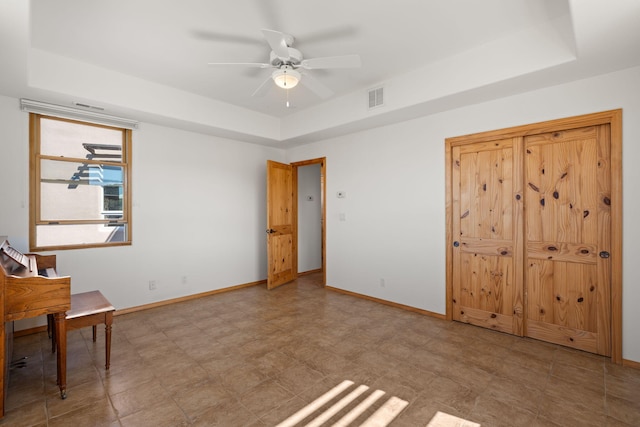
290,66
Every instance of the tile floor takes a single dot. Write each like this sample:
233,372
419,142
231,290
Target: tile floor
254,357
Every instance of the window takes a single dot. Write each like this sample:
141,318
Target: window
80,184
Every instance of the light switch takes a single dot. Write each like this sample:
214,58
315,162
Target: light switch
341,194
343,216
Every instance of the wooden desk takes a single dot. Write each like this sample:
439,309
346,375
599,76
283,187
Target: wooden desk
89,309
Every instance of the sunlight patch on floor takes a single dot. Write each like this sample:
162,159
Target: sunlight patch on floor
440,419
325,407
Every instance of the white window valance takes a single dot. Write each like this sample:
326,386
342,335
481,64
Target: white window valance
76,114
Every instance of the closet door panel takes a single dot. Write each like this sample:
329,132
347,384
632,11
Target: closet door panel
567,226
487,289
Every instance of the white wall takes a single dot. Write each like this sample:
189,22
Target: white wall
199,210
309,218
199,202
394,179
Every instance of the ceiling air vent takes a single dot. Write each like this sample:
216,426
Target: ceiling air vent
376,97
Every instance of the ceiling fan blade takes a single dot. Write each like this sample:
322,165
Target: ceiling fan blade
278,43
315,86
270,14
334,33
263,88
345,61
240,64
214,36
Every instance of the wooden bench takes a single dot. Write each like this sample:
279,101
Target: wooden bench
89,309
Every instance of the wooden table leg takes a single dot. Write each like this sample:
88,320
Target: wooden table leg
61,344
108,320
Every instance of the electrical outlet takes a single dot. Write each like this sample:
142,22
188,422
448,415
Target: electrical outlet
152,285
382,283
184,280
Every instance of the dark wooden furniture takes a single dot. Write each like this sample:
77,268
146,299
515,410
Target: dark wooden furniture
89,309
30,287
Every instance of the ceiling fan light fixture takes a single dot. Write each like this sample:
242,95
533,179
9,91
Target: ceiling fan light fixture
286,77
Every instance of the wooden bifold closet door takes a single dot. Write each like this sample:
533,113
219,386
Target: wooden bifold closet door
487,225
532,243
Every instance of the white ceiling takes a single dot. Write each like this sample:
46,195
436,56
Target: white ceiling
171,42
421,51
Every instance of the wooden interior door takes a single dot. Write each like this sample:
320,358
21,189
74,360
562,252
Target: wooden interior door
568,227
281,241
487,234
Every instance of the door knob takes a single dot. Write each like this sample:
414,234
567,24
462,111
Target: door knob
270,230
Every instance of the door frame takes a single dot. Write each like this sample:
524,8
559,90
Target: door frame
322,161
614,119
